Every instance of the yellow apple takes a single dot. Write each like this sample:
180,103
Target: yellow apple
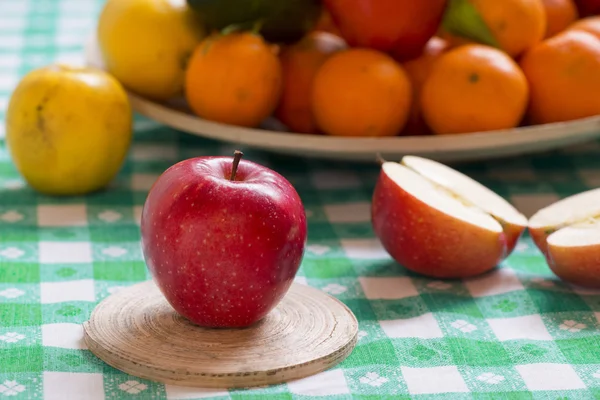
68,129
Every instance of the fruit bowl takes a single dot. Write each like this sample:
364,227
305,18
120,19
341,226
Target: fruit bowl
272,136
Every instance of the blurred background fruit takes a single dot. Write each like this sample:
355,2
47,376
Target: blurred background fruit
146,44
559,15
511,25
564,77
234,78
361,92
281,21
300,63
588,7
474,88
588,24
401,27
68,129
418,71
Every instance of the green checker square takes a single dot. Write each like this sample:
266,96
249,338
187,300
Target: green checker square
512,304
422,353
15,192
124,386
69,360
15,216
19,314
327,267
76,312
110,217
580,350
452,303
19,273
409,307
21,386
24,293
592,300
64,234
571,325
353,230
369,331
18,233
319,232
362,309
525,351
124,271
152,166
549,301
22,359
589,374
342,288
443,396
563,395
118,195
386,380
62,272
18,252
483,353
521,395
104,289
379,268
380,352
117,252
22,336
533,264
458,326
492,379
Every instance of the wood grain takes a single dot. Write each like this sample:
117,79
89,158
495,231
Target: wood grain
136,331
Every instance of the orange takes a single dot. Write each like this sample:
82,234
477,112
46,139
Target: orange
234,79
474,88
418,70
564,77
511,25
588,24
361,92
300,63
559,15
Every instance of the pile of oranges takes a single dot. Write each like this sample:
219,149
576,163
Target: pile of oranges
544,68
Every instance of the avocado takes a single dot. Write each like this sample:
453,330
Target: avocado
281,21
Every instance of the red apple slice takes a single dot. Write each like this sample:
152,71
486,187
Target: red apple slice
432,230
573,254
569,211
468,189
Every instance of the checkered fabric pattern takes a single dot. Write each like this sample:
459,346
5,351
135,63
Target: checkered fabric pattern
515,333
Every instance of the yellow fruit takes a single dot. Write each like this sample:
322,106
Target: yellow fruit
146,44
68,129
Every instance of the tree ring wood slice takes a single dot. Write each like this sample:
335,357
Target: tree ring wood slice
136,331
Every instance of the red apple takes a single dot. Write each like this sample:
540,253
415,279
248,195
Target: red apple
438,222
568,234
588,7
401,27
223,239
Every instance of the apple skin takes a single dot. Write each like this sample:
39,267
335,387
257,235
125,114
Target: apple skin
539,236
223,253
400,27
577,265
430,242
587,8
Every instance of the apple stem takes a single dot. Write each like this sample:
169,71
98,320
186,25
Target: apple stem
237,156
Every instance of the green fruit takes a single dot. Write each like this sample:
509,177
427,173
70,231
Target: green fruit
280,21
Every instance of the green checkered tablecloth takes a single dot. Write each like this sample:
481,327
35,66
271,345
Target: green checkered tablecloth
514,333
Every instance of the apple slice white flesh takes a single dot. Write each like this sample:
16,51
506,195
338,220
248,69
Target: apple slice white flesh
573,253
431,231
473,192
570,211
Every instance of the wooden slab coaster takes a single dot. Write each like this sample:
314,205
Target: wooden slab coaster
136,331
